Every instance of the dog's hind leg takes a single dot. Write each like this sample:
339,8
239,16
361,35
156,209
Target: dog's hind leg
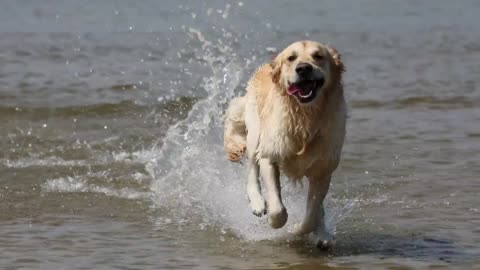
277,214
235,132
315,213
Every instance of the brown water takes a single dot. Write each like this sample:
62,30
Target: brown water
111,135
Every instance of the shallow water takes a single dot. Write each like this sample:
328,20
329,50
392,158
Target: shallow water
111,125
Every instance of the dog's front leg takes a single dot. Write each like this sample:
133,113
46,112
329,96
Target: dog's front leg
315,213
277,214
257,203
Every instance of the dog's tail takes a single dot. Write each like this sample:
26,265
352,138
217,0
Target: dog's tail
235,133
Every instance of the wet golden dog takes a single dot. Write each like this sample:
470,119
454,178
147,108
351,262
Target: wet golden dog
291,120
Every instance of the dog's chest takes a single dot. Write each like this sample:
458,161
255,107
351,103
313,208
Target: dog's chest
277,143
281,136
285,149
296,144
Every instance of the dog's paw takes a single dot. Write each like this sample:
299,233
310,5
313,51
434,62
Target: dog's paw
258,207
277,218
323,241
325,244
234,157
236,154
259,213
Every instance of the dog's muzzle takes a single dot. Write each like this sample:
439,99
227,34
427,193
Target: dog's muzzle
306,86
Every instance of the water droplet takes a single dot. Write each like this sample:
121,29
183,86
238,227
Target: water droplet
271,49
105,127
44,125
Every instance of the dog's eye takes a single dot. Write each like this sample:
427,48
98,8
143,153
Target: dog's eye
292,58
318,57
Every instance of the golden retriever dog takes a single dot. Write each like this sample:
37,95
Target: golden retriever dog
291,120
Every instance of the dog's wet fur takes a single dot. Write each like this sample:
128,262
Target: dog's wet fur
291,120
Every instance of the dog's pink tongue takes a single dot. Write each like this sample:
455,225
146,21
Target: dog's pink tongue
293,89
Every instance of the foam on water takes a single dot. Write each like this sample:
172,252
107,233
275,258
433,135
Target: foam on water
48,161
191,175
80,184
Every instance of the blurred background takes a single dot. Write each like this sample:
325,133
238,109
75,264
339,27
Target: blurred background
111,151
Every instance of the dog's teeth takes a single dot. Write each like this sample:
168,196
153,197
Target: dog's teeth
307,95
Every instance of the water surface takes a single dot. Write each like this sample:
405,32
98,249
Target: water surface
111,125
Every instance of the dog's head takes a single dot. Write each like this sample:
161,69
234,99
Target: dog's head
305,69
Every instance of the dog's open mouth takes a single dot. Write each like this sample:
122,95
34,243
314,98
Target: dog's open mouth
305,91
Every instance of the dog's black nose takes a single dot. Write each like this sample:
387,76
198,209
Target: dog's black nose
304,69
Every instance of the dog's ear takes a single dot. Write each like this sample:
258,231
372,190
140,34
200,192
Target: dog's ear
337,58
276,66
